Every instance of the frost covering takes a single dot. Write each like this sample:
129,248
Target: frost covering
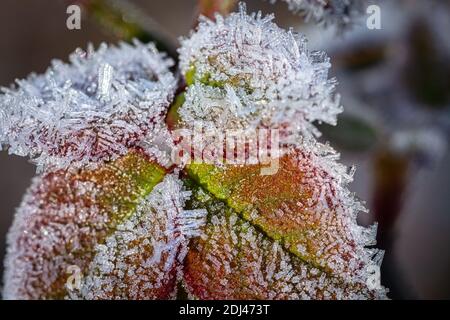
243,70
291,235
91,110
127,239
155,239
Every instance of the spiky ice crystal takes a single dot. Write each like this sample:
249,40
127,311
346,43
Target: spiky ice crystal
91,110
244,71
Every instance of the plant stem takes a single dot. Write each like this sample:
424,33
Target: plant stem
392,172
128,22
391,180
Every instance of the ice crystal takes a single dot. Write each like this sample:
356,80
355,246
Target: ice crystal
91,110
328,12
243,70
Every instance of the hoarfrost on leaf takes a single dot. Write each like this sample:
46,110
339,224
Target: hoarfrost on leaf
90,110
244,71
305,209
71,219
142,259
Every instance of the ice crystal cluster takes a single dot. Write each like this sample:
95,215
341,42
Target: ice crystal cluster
91,110
244,71
112,218
338,13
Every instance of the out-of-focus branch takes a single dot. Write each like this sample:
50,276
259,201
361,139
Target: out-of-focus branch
209,8
128,22
392,176
391,180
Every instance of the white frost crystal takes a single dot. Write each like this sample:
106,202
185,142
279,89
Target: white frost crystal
243,70
328,12
90,110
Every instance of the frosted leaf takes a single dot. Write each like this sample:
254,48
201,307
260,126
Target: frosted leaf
142,259
305,206
235,260
91,110
243,70
328,12
65,215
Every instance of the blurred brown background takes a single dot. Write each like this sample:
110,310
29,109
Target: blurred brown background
34,32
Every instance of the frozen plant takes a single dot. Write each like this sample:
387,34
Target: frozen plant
111,204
